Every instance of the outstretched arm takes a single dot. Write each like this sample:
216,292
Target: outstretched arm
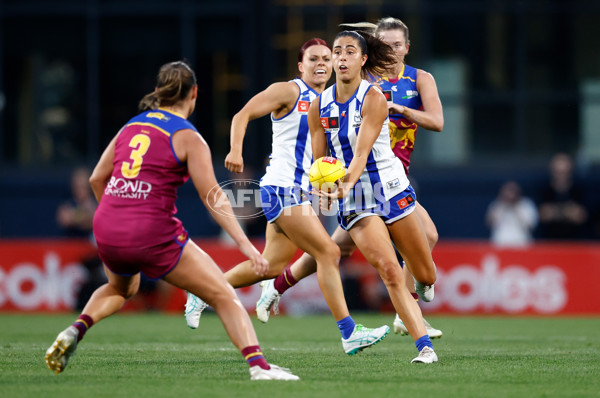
277,98
190,147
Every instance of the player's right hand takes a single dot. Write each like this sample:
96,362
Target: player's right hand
234,162
259,263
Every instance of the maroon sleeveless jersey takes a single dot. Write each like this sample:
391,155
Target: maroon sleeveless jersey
138,205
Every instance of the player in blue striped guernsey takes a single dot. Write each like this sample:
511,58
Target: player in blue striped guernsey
413,101
284,191
376,201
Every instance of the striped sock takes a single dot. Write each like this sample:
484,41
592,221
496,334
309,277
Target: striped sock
284,281
83,323
422,342
254,356
346,326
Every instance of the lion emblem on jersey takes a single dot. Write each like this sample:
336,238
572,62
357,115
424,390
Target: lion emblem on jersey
403,134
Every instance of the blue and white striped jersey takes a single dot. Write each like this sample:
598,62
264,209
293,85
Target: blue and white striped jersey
291,154
384,176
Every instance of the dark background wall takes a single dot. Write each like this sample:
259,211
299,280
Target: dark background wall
518,79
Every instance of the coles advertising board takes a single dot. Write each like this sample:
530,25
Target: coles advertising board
473,278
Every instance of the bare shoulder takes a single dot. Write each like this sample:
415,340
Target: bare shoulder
423,75
284,89
375,95
187,141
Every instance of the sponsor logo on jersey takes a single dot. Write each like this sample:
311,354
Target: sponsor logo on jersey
406,201
411,94
182,237
388,95
303,106
158,115
357,120
393,184
130,189
330,123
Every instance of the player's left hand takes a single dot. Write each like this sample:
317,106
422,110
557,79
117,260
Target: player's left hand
395,109
339,191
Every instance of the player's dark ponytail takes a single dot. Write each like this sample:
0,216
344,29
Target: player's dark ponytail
380,55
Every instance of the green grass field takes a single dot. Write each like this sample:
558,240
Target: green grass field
155,355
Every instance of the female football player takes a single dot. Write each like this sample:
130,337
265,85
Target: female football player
292,222
376,201
135,183
413,100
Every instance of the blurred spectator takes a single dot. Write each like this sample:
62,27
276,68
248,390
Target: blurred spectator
76,216
562,213
511,217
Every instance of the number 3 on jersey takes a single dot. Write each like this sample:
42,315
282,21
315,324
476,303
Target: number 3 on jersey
140,143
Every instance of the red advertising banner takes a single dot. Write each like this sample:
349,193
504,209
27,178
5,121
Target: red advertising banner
41,275
473,278
547,278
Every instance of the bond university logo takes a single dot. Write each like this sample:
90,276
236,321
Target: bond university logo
330,123
303,106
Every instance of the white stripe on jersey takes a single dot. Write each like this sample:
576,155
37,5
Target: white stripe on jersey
383,177
291,155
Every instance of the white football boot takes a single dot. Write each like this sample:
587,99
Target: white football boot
275,373
269,299
57,356
431,331
193,310
427,355
363,337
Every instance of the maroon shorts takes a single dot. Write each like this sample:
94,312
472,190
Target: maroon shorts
154,261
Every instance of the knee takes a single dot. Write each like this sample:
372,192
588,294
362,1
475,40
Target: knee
329,254
334,252
219,296
390,272
432,237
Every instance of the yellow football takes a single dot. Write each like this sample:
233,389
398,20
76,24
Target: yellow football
324,173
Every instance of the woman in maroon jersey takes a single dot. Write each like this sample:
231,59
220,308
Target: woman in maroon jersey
135,183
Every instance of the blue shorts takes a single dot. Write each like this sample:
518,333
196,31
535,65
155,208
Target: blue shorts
274,199
394,209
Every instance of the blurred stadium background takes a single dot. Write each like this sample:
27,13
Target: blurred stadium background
519,82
